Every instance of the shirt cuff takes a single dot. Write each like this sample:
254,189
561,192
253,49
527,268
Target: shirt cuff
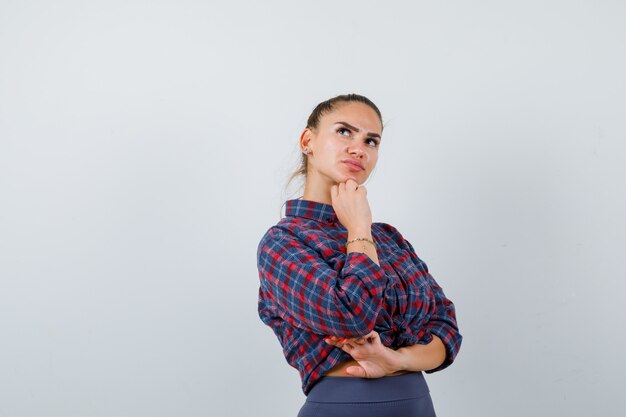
451,339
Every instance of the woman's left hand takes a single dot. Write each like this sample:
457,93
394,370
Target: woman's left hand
375,359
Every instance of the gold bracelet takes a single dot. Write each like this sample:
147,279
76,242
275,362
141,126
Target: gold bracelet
361,238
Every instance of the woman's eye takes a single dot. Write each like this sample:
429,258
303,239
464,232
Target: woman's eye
373,141
343,129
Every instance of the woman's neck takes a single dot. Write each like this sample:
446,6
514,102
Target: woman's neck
317,191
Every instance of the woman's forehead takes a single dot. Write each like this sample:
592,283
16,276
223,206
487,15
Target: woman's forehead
358,115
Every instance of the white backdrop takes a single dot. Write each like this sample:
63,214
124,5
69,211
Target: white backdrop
144,147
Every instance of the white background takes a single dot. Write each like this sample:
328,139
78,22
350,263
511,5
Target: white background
144,150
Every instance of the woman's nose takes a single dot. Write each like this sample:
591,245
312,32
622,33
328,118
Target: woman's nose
356,149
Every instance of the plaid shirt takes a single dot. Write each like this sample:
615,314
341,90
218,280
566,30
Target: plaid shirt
310,288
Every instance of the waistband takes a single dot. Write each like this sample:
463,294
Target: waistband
336,389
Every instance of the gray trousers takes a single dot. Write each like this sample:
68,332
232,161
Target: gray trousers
405,395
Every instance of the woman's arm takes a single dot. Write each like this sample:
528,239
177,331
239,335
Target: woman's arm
377,360
420,357
298,286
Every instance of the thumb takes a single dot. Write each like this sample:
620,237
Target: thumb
371,336
357,371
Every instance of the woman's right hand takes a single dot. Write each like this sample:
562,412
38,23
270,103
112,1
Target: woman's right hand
349,200
375,359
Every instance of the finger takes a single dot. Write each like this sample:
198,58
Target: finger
357,371
339,341
351,184
371,336
332,338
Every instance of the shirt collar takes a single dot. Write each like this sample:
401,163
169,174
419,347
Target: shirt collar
311,210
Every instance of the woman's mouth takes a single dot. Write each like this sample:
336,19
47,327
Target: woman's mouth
352,166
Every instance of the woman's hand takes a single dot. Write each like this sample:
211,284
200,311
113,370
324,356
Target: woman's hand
349,200
375,359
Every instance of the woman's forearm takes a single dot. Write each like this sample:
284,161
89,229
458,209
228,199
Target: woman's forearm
422,357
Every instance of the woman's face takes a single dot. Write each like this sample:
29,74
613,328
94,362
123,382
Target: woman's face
345,143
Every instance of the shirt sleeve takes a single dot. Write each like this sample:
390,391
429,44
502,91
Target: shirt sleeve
309,293
443,320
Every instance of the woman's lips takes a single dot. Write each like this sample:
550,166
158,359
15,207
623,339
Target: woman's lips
352,167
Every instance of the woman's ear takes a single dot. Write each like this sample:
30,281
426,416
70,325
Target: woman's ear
305,138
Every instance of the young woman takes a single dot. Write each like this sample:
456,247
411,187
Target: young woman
354,308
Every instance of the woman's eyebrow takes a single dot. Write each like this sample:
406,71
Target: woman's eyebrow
376,135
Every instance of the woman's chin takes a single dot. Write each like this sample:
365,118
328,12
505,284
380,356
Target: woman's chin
347,177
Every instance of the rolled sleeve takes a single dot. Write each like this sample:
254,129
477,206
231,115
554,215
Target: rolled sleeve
442,322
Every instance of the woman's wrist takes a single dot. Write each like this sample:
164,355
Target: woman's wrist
366,247
408,358
400,362
359,231
420,357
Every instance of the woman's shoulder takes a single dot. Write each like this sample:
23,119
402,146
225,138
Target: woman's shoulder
286,224
286,229
275,231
